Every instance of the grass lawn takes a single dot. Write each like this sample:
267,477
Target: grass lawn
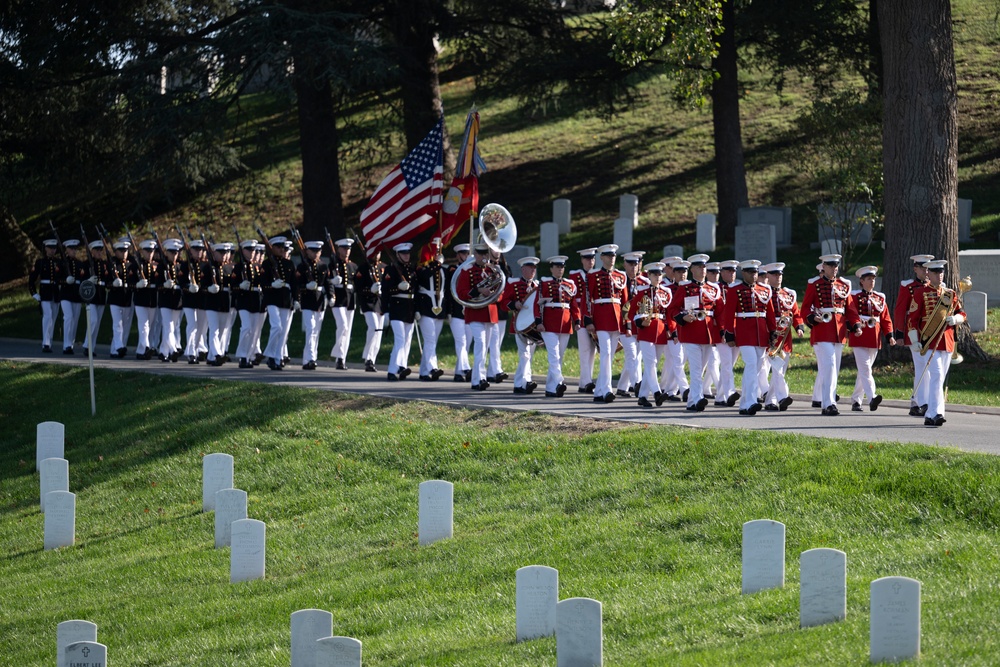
646,520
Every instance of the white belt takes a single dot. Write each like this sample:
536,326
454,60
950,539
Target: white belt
45,282
402,296
744,316
256,289
652,316
429,292
839,311
225,289
598,301
557,305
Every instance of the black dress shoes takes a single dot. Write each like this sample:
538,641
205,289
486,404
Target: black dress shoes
831,411
309,366
784,403
731,401
873,406
644,402
404,373
436,374
392,377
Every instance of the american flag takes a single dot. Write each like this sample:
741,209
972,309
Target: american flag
406,202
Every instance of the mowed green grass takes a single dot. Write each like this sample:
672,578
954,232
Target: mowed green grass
646,520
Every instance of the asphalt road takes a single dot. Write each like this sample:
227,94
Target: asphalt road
970,428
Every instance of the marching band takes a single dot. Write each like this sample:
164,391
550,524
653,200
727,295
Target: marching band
664,316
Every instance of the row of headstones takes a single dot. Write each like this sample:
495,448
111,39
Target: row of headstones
246,538
54,498
894,624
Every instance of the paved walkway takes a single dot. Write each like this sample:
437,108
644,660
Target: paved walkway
969,428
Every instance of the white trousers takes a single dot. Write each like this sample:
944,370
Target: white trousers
197,325
697,356
712,371
373,336
312,322
94,315
753,357
127,315
525,350
588,350
459,331
555,347
216,333
938,363
727,374
481,333
430,329
494,339
71,318
344,319
632,363
50,310
777,389
651,356
817,385
865,384
763,372
402,338
279,320
230,322
827,369
607,345
919,396
250,328
144,324
672,378
170,336
118,332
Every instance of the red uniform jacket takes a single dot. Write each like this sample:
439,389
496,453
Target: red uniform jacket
467,282
786,306
861,308
607,297
632,287
660,325
822,296
748,317
924,299
579,278
516,290
701,296
555,306
903,300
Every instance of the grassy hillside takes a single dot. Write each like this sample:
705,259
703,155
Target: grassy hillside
646,520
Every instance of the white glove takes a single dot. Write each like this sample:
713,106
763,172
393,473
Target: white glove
213,289
311,285
141,284
70,280
278,284
117,282
952,320
193,288
296,307
350,288
337,281
404,286
913,336
37,297
245,285
168,284
377,288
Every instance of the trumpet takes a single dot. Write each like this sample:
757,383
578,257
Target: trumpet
700,315
871,321
825,318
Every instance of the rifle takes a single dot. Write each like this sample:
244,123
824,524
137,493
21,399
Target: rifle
239,246
138,256
270,248
298,240
208,249
159,246
184,242
62,250
90,258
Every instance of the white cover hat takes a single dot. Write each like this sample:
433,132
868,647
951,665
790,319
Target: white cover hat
633,256
680,264
608,249
921,259
774,267
729,264
314,245
341,243
249,243
654,266
700,258
96,245
531,261
279,240
403,247
750,264
71,243
50,243
866,271
173,244
587,252
557,259
713,266
830,258
936,264
148,244
462,247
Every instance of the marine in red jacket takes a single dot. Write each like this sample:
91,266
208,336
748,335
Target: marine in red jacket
749,323
606,286
648,313
586,341
825,307
900,315
789,319
868,319
556,316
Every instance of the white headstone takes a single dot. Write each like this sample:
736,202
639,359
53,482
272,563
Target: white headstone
964,220
756,242
549,241
246,558
562,214
50,440
628,209
830,247
338,652
823,588
517,252
86,654
230,506
435,511
216,474
705,226
779,217
71,632
763,555
673,251
579,633
974,304
308,625
536,598
53,476
983,266
60,519
845,221
895,619
623,235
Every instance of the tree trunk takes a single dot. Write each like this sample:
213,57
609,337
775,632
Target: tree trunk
414,30
730,171
322,204
920,141
17,253
875,67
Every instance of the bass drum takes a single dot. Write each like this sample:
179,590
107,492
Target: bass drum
525,322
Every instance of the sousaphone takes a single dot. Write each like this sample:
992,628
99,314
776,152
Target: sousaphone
498,231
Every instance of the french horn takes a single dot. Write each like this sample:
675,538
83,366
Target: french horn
498,231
